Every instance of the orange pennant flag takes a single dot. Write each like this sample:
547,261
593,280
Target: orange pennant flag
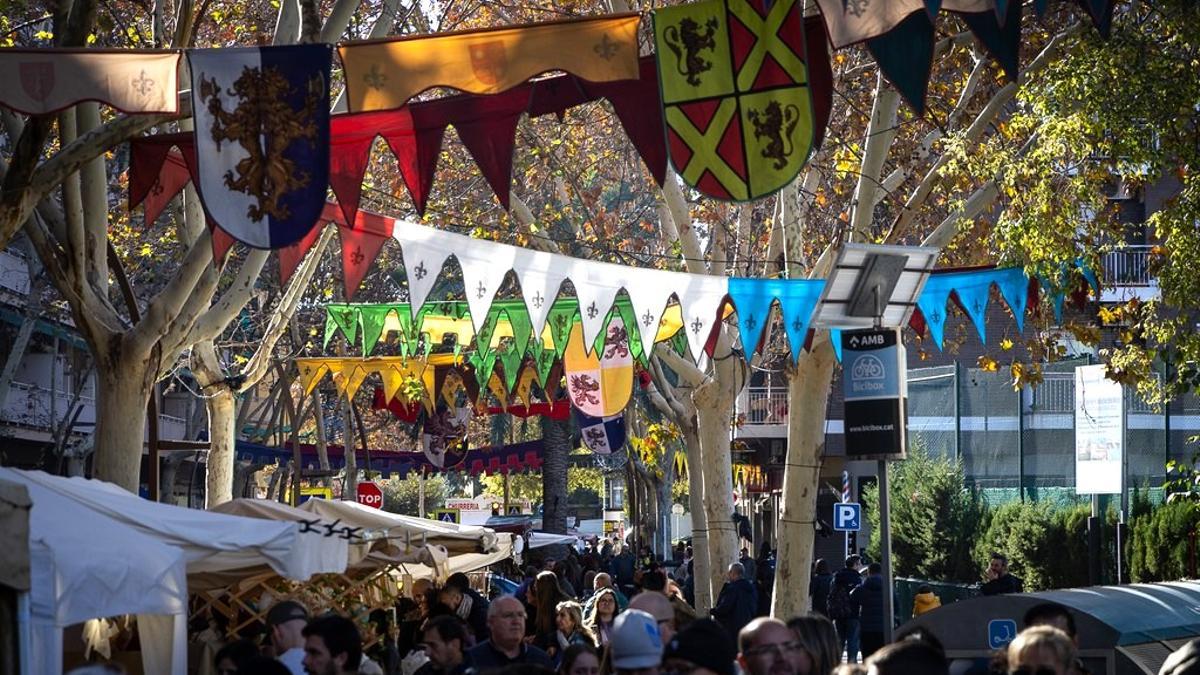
385,74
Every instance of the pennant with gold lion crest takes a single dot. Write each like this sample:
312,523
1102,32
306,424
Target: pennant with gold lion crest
735,94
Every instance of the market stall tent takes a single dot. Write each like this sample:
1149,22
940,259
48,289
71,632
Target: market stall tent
98,551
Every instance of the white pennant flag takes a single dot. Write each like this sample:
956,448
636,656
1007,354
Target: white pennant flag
424,256
596,286
649,292
482,278
541,275
700,296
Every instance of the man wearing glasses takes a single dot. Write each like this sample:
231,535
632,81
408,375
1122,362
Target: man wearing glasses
506,624
768,647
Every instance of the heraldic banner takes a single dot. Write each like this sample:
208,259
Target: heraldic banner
42,81
262,139
384,74
735,94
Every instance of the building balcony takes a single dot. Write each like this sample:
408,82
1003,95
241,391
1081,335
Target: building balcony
1127,275
38,411
761,412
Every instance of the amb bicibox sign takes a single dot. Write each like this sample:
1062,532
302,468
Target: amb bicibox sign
874,388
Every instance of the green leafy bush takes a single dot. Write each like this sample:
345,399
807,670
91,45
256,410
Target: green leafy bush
1161,546
934,519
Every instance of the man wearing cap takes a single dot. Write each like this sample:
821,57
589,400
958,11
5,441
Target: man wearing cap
506,624
286,621
636,647
701,648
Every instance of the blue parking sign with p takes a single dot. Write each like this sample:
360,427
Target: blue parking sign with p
847,517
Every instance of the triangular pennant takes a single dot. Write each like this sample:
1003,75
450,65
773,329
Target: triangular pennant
483,362
359,250
798,300
347,167
480,283
1014,288
146,158
345,317
1001,36
544,360
596,298
624,310
905,55
221,243
331,328
932,303
835,336
490,141
171,180
522,330
649,301
430,125
1101,12
290,256
561,319
540,280
311,371
358,373
524,389
974,294
700,296
510,359
373,317
393,380
752,298
820,76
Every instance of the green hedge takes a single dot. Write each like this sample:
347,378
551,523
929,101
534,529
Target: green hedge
1161,548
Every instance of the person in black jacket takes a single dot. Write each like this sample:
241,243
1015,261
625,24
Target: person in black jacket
999,580
868,597
842,609
467,605
818,586
737,602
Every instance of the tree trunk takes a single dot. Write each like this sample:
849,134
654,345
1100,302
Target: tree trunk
350,482
556,437
714,409
700,559
808,399
121,399
222,412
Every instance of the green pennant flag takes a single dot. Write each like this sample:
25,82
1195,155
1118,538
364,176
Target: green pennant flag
511,358
483,339
373,317
331,327
543,360
560,319
346,318
522,328
484,362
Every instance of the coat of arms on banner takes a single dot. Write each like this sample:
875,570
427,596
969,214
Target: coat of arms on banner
601,435
599,383
443,431
735,94
262,139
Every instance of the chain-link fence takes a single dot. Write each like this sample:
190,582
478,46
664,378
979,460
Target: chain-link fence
1014,442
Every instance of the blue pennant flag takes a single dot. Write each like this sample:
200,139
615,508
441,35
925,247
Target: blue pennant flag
797,298
262,139
1014,288
836,336
932,303
974,290
601,435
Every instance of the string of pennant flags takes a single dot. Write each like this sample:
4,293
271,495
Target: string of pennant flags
735,97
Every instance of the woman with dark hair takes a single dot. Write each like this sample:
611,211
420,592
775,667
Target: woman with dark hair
580,659
546,596
818,587
599,621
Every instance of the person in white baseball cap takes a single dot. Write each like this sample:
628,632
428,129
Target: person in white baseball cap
636,646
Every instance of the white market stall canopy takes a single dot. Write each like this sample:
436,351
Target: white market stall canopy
98,551
538,539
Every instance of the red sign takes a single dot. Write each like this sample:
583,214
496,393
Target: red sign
370,494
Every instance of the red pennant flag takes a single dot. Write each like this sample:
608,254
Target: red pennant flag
351,138
360,247
171,180
221,243
290,256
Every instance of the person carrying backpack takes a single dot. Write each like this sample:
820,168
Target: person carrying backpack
843,610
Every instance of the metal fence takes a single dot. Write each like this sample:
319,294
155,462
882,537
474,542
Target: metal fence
1023,441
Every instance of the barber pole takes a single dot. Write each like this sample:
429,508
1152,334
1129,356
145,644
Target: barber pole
846,500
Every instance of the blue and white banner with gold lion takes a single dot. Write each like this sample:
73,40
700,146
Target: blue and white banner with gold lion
262,139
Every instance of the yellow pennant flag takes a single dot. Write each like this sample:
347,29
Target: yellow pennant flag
358,373
393,379
311,371
385,74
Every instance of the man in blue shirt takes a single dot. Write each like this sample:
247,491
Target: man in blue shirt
506,624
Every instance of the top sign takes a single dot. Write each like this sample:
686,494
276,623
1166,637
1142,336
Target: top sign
873,369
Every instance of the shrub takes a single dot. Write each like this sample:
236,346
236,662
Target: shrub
934,519
1028,535
1161,542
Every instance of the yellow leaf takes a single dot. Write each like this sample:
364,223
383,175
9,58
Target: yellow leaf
1006,344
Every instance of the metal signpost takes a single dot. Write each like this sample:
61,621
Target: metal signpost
1099,455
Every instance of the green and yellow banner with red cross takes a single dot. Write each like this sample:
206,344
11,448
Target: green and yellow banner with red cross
735,94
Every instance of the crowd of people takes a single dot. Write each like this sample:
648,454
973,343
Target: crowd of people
630,617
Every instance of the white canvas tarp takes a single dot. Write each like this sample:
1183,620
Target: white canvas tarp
538,539
98,551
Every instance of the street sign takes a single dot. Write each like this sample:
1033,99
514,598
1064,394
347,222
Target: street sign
677,509
370,494
307,493
847,517
447,515
874,388
1001,632
514,510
